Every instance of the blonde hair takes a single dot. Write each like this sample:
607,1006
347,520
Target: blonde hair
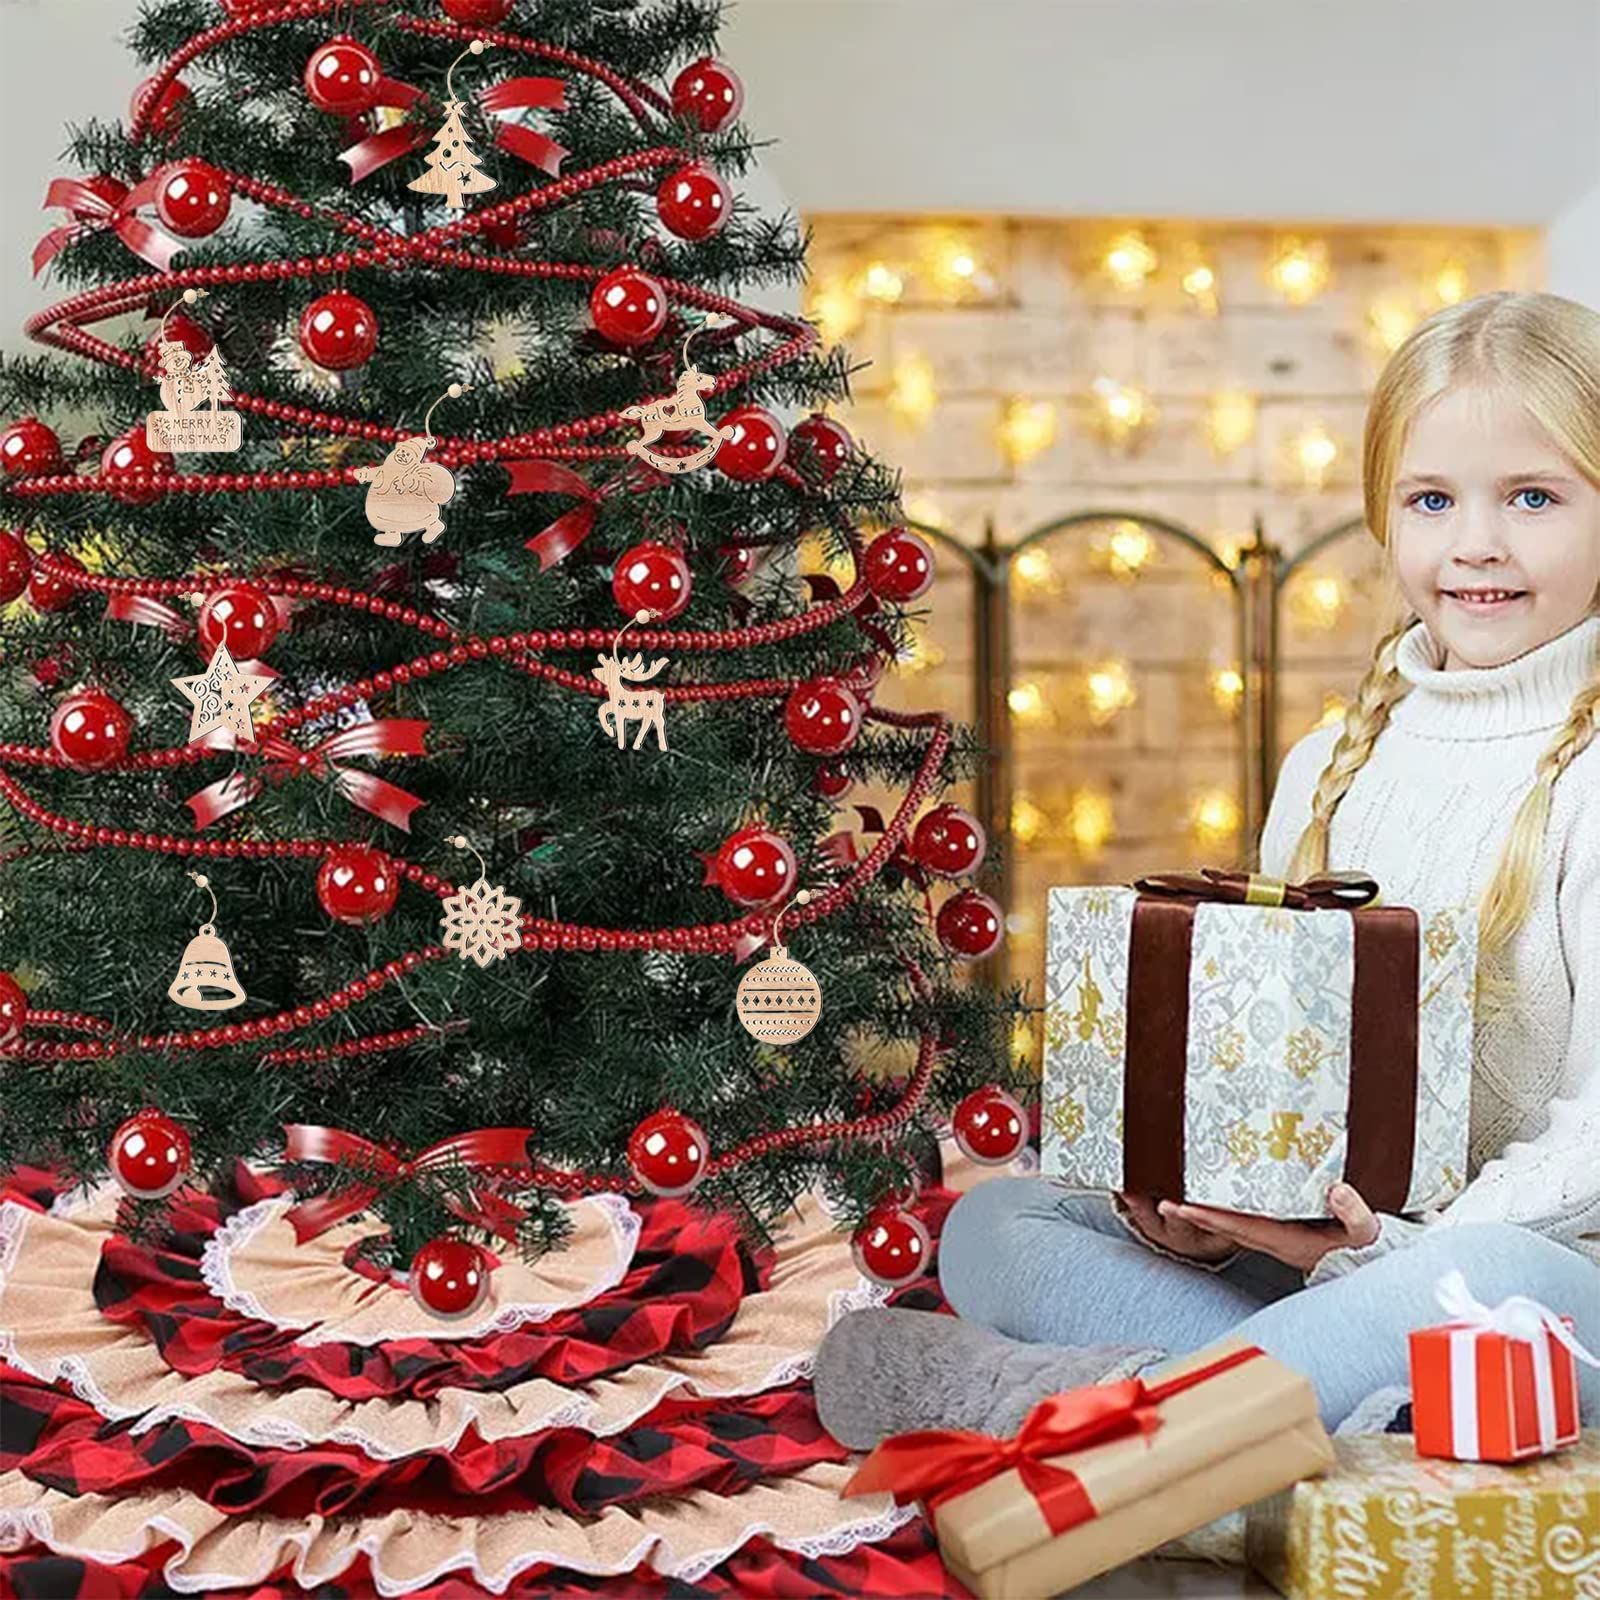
1546,350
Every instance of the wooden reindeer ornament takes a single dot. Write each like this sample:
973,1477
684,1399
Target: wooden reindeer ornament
624,704
682,409
407,491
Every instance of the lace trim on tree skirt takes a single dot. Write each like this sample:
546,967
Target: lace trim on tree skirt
682,1537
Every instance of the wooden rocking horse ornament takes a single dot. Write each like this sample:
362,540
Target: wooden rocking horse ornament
623,704
681,410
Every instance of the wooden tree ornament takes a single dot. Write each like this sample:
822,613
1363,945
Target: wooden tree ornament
453,167
185,388
408,491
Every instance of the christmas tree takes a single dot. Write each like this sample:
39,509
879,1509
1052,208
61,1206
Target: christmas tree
450,901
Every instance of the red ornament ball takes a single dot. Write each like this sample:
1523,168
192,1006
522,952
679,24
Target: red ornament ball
668,1153
891,1247
149,1155
757,446
134,469
709,93
46,592
342,76
16,562
338,331
740,561
449,1277
652,576
949,841
990,1127
357,884
822,717
478,13
628,307
89,729
825,442
13,1010
28,448
899,565
755,866
830,780
193,199
970,925
184,330
241,617
164,115
693,202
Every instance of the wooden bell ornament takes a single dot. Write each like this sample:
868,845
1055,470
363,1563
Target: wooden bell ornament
192,419
407,493
624,704
779,1000
205,980
683,409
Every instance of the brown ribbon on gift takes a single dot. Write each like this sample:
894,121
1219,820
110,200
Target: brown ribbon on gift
1381,1128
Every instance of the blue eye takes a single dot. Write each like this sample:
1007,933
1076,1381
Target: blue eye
1429,494
1546,498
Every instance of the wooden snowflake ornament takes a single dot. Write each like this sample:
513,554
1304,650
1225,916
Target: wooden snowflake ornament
481,923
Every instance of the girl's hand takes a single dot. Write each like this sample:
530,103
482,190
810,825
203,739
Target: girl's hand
1172,1233
1295,1243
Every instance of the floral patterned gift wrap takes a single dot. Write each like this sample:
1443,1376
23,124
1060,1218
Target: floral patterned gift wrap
1237,1041
1386,1524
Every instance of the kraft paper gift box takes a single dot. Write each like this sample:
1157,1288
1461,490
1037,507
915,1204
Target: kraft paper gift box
1387,1524
1099,1475
1236,1041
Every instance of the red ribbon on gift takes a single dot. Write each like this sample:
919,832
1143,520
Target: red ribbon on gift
569,530
91,211
938,1464
498,1152
514,94
397,736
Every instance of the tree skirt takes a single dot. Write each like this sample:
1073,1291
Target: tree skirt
227,1411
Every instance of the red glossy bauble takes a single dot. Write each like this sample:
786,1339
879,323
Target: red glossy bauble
628,307
950,841
342,76
338,330
16,562
990,1127
166,112
708,92
755,866
693,202
135,470
739,561
822,717
357,884
193,199
891,1247
149,1155
184,330
652,576
241,617
28,448
89,729
830,780
478,13
668,1153
13,1010
449,1278
757,446
821,440
899,565
970,925
46,592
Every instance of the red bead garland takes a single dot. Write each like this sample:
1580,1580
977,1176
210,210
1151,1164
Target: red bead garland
990,1127
757,446
709,93
449,1278
134,469
628,307
970,925
822,717
47,592
891,1247
653,577
241,617
949,841
668,1153
28,448
16,562
193,199
357,884
693,202
342,76
13,1010
339,330
89,730
149,1155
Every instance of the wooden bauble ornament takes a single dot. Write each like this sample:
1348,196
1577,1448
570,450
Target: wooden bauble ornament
205,980
779,1000
453,167
624,704
182,424
408,491
682,410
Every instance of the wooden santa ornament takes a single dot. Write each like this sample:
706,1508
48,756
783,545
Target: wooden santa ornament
185,389
407,491
453,168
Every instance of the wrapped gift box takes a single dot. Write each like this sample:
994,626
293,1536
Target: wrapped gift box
1103,1474
1236,1041
1387,1524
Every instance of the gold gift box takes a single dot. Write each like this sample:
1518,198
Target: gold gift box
1387,1523
1244,1433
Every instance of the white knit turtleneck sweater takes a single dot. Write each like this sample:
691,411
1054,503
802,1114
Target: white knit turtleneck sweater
1427,816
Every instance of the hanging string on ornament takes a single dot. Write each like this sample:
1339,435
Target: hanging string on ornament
408,491
683,409
623,704
481,923
185,388
221,697
779,1000
205,980
453,167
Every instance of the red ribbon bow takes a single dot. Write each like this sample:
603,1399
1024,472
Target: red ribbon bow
938,1464
388,736
514,94
91,211
499,1152
569,530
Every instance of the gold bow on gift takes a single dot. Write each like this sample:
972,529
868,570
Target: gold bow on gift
1329,891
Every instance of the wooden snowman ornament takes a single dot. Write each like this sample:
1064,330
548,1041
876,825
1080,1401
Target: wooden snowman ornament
407,491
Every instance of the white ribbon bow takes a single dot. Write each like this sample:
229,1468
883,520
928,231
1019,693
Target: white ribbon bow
1516,1317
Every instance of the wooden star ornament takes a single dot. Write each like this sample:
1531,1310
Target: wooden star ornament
221,697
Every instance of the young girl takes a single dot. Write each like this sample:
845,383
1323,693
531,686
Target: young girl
1466,767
